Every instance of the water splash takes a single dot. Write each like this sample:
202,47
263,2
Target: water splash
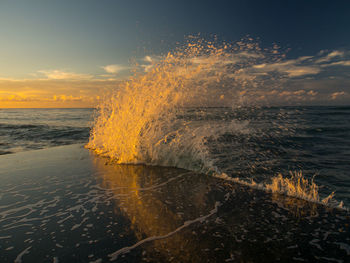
295,186
144,120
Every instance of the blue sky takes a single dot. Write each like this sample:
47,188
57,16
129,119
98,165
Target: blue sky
81,38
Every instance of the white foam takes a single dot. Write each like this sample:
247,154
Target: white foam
344,246
20,255
79,225
295,186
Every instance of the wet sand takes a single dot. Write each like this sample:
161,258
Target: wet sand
66,204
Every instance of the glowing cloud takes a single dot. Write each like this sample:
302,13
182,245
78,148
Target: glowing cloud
291,68
114,69
52,93
58,74
335,95
315,78
330,56
148,59
339,63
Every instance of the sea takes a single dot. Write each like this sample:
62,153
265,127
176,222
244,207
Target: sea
33,129
260,143
187,160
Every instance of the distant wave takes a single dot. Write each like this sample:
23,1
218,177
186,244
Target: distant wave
21,137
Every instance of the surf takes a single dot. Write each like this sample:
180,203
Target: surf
155,117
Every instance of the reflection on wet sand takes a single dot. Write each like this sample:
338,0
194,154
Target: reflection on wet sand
297,208
69,206
158,203
174,216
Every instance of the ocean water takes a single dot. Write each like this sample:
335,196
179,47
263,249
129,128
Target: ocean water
176,155
30,129
204,107
248,143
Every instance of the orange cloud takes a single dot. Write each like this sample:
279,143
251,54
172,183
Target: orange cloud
335,95
52,93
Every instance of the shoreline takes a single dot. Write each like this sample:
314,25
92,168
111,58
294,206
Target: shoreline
67,203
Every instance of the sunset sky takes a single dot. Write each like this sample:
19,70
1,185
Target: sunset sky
68,53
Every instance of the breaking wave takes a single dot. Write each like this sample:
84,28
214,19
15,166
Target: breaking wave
155,117
296,186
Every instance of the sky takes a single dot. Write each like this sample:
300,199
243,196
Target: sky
61,53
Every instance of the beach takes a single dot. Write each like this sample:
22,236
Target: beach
174,131
65,204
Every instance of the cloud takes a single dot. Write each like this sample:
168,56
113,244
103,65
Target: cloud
62,75
299,93
53,92
151,61
339,63
12,97
281,97
292,68
306,65
330,56
312,93
304,58
305,79
297,96
298,71
66,98
334,58
148,59
114,69
337,94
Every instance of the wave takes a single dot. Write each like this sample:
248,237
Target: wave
295,186
21,137
22,126
141,121
146,118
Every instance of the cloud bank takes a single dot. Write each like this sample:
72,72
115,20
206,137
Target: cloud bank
323,78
